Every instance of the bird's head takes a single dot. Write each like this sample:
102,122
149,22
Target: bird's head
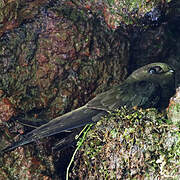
157,72
160,73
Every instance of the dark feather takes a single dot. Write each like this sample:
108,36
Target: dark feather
143,94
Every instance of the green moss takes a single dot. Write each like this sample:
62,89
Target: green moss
130,11
130,143
72,14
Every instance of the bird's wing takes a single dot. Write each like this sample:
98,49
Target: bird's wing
143,94
68,121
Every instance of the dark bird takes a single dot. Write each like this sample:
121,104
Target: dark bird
149,86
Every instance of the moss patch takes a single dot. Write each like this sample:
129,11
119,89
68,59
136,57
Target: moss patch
130,144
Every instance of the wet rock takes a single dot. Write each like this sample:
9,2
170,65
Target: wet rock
13,13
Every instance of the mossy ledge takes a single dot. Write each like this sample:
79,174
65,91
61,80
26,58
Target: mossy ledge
130,144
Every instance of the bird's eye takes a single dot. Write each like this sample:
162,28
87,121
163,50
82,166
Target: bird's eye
155,70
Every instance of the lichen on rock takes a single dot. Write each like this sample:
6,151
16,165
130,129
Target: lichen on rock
173,110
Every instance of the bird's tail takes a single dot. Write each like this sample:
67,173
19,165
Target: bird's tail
68,121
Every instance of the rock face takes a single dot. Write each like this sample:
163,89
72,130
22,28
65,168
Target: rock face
59,60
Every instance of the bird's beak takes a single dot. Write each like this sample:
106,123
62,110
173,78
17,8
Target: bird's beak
171,71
